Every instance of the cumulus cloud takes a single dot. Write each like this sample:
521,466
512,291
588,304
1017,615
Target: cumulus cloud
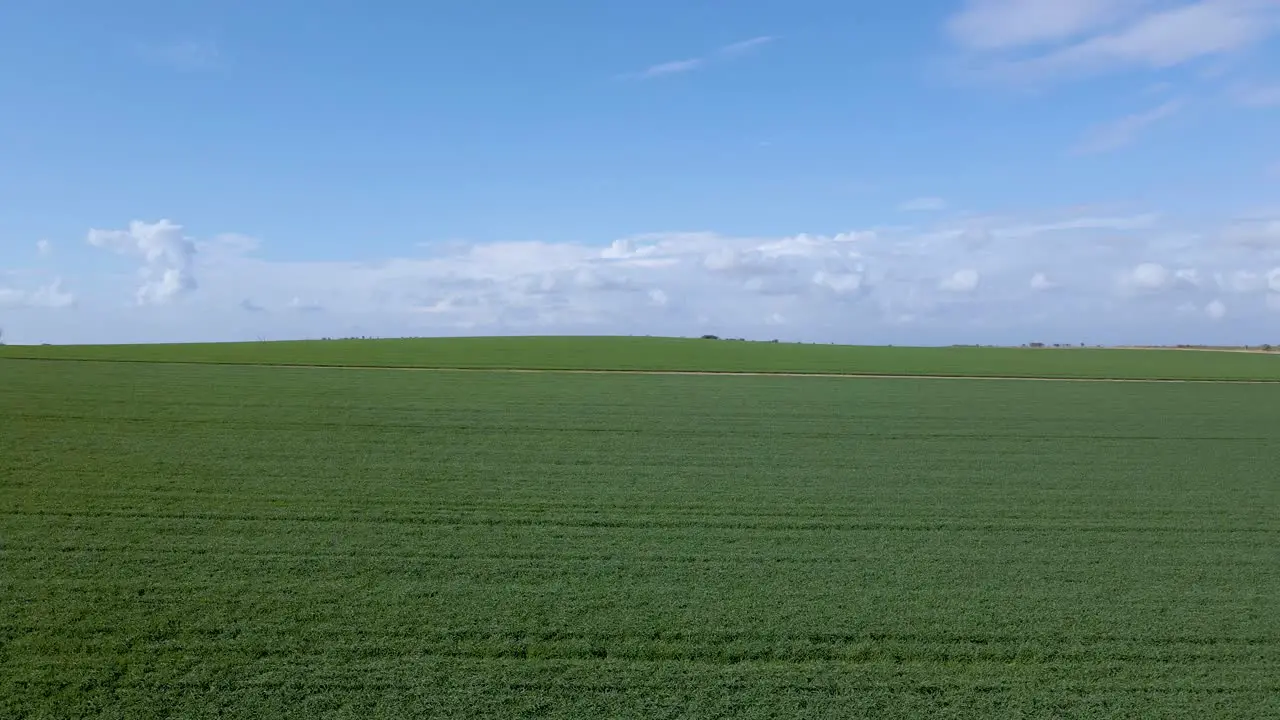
961,281
1040,281
166,254
1216,310
1149,276
44,248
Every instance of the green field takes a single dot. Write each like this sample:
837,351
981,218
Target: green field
627,353
257,542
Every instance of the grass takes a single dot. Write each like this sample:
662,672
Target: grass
626,353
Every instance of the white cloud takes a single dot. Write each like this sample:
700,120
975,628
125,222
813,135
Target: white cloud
166,254
744,46
961,281
978,277
1000,24
1118,133
1216,309
1040,281
44,248
1240,281
51,296
10,297
923,204
1012,229
672,67
1188,276
841,283
299,305
1259,233
1149,276
723,53
1172,36
1033,40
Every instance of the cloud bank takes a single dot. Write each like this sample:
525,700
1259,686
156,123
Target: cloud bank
1076,277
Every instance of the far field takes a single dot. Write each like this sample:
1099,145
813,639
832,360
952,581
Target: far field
640,353
235,541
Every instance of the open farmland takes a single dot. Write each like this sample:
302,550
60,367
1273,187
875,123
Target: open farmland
231,541
664,354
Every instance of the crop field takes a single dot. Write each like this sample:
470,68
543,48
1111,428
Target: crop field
658,354
264,542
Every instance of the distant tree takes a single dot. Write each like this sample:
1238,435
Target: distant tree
710,337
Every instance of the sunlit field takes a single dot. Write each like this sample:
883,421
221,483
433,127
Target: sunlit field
656,354
266,542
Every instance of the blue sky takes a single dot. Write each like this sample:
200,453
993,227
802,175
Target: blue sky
928,172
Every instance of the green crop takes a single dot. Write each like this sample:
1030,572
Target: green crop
628,353
225,541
